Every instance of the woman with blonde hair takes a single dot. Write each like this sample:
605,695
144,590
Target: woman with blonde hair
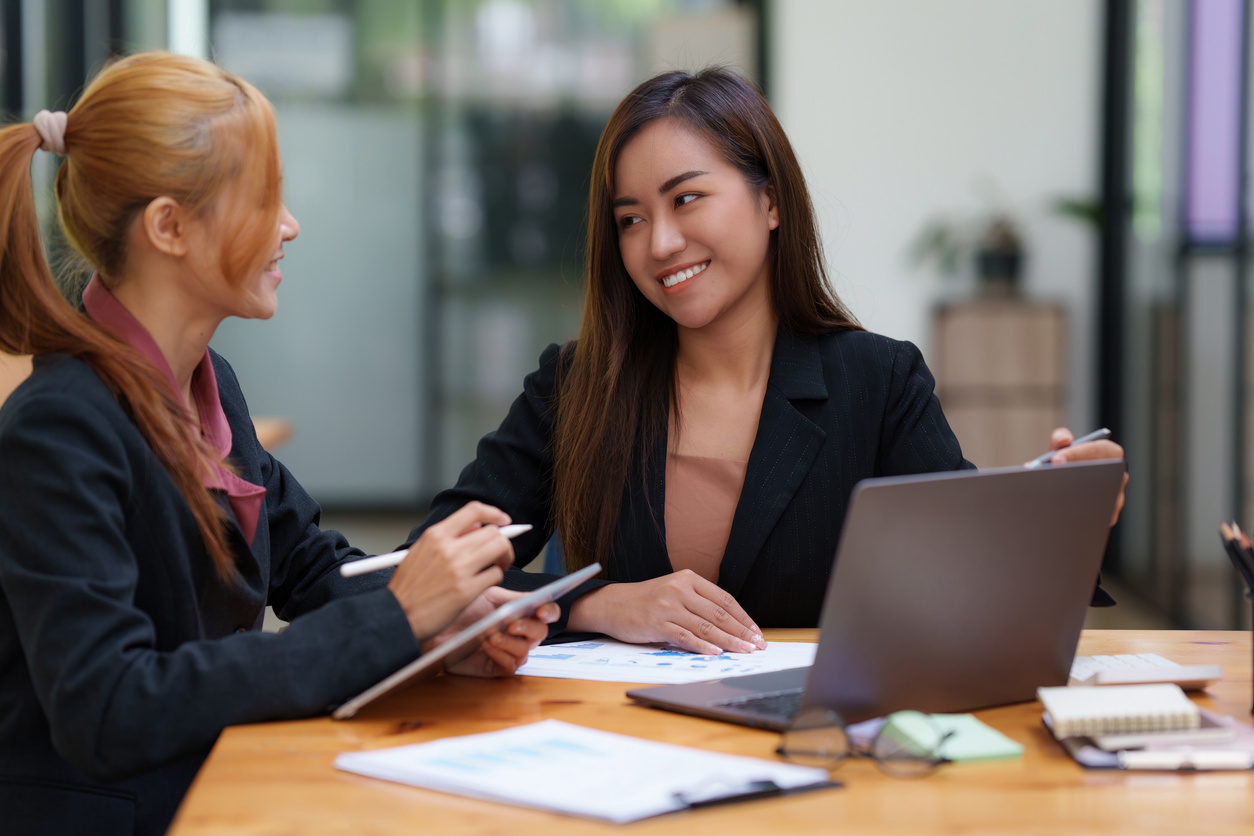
143,530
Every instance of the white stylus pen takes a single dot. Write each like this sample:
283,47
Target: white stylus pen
1044,458
384,561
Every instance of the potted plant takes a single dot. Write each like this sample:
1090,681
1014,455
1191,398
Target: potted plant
990,243
998,258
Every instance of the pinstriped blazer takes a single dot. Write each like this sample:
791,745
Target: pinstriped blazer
123,654
839,408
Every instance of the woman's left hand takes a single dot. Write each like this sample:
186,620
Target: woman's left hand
1061,438
503,652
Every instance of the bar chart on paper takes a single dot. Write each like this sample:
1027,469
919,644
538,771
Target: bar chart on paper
606,660
572,769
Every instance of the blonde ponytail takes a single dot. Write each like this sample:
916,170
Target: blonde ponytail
149,125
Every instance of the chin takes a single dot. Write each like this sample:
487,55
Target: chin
260,308
691,319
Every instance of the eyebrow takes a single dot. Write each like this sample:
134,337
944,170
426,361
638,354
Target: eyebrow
663,189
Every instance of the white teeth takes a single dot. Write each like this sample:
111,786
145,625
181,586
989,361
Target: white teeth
683,275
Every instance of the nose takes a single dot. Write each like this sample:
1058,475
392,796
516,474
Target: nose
289,227
665,239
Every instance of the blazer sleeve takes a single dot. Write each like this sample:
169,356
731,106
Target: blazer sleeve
513,471
914,435
304,558
118,698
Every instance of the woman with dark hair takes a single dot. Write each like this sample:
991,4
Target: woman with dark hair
143,530
702,437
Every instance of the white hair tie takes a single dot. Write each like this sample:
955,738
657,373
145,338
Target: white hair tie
51,128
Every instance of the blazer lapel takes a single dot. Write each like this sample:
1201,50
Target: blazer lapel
785,448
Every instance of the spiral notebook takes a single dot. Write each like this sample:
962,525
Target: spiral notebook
1118,709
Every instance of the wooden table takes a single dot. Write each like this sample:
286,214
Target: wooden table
277,778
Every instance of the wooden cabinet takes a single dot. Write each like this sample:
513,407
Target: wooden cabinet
1001,376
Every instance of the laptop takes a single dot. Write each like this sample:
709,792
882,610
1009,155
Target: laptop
950,592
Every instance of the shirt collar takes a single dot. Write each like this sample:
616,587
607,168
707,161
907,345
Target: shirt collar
245,497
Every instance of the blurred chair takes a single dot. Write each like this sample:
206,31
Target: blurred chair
273,433
13,370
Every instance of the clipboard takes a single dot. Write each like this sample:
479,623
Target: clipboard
518,608
576,770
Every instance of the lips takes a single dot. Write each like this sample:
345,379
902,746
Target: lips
682,275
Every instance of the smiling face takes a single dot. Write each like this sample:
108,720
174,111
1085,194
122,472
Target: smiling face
693,235
258,295
254,295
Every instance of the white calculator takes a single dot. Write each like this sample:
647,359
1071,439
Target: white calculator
1140,668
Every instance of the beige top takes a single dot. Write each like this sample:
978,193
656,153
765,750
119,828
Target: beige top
701,497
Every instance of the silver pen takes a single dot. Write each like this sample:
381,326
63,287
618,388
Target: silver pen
1044,458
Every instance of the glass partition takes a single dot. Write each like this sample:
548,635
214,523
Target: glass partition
1184,381
436,154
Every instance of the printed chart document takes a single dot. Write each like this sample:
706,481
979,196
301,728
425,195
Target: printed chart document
607,660
564,768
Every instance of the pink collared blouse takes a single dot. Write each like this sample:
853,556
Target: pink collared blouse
244,496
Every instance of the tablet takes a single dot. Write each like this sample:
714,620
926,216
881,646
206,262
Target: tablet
518,608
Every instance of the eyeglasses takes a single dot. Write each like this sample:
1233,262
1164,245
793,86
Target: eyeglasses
907,745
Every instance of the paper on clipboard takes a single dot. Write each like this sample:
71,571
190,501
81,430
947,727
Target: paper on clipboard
518,608
565,768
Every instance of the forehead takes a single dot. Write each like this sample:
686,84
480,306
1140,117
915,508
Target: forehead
661,150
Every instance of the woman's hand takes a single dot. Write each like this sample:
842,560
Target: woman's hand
450,565
1061,438
682,608
501,653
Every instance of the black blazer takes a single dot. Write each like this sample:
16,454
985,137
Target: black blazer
839,408
122,653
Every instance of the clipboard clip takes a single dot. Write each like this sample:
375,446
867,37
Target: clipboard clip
721,791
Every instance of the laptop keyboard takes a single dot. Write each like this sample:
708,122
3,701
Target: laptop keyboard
782,704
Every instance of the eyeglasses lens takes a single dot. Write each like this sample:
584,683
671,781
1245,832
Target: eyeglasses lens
908,745
816,737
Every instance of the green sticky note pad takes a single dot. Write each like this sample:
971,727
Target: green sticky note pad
969,739
974,741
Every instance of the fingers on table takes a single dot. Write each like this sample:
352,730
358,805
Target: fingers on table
711,621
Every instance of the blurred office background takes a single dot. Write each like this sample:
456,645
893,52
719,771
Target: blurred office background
437,152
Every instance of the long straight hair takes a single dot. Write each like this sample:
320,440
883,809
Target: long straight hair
616,384
149,125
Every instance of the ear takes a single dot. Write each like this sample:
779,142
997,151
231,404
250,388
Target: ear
772,207
165,223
